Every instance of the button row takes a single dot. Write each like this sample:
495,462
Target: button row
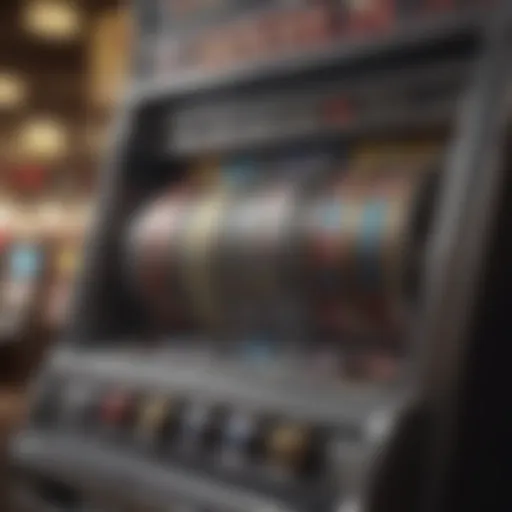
175,425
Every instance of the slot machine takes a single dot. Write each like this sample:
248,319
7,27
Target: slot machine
23,277
64,242
286,272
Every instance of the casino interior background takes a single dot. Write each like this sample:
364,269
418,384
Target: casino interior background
61,69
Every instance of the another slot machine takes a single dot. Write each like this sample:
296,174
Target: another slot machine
65,240
23,277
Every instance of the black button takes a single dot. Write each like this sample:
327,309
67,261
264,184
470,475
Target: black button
171,425
202,427
78,399
47,404
239,439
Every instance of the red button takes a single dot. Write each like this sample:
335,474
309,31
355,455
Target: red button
115,408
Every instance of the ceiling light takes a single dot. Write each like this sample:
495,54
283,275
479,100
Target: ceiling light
42,138
12,90
52,19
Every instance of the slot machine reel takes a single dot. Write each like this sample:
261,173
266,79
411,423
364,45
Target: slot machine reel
257,257
357,242
154,244
173,246
341,254
199,257
259,245
362,243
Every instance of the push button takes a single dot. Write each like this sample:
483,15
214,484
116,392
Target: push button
238,439
116,409
172,424
288,445
194,424
151,417
295,449
159,420
201,428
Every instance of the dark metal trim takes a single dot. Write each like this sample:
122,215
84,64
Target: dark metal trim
459,246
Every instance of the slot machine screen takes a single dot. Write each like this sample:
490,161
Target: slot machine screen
25,262
24,266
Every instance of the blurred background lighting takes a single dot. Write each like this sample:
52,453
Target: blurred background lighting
52,19
43,138
51,213
6,213
12,91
